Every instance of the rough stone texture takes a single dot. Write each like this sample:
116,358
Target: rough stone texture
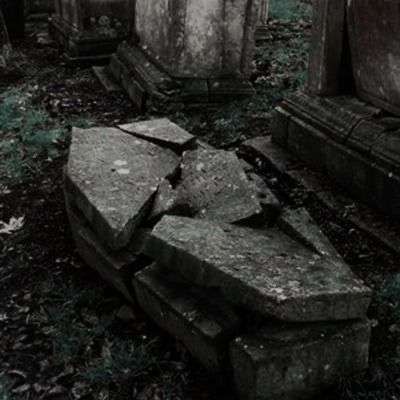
296,362
326,49
203,321
264,271
215,186
188,51
362,217
113,177
162,132
342,134
269,202
115,267
374,31
198,38
300,225
90,30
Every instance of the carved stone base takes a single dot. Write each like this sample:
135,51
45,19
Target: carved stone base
80,47
147,84
349,141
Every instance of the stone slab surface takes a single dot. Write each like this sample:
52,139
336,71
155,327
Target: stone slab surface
204,322
300,225
215,186
264,271
115,267
297,362
112,178
163,132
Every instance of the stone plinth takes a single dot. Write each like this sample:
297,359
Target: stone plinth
346,122
90,30
297,362
195,51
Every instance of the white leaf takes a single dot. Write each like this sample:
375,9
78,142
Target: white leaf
14,225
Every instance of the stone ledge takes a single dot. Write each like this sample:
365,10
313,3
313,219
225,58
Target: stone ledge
297,362
201,319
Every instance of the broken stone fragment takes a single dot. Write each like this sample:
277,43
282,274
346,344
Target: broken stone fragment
112,177
115,267
268,201
264,271
162,132
298,361
214,186
201,319
300,225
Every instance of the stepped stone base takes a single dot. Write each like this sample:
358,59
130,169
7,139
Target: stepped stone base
296,362
115,267
80,48
347,140
202,320
148,84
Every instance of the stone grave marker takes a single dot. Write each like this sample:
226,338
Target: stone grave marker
90,30
196,51
338,123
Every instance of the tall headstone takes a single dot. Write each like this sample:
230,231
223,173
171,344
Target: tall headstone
188,51
346,121
90,30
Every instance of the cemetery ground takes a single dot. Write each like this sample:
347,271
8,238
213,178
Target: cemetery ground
64,333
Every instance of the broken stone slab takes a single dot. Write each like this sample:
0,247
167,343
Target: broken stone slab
115,267
215,186
203,321
112,177
162,132
300,225
298,362
264,271
268,201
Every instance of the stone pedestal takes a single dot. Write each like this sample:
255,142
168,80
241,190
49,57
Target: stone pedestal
346,122
195,51
90,30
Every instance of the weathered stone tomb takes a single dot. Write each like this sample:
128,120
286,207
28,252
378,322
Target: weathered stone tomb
195,51
90,30
346,121
196,239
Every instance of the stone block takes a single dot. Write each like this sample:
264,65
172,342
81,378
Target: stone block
115,267
298,361
275,157
280,126
112,177
264,271
214,185
162,132
201,319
